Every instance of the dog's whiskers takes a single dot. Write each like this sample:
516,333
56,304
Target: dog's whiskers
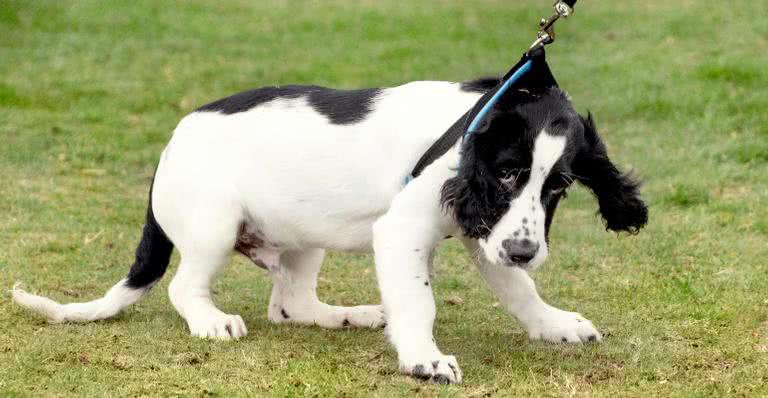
574,176
568,179
476,254
484,224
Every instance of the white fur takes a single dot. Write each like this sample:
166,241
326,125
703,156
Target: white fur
117,298
308,185
294,297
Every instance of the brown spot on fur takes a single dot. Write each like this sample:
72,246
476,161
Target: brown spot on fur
247,242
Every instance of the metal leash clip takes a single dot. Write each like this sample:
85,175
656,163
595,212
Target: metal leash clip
546,34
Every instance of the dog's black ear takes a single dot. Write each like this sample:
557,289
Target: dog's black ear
617,193
472,194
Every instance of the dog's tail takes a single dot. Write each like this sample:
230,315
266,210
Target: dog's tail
152,258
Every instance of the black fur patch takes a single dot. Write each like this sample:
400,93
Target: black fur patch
481,85
284,314
344,106
550,206
340,106
153,253
618,194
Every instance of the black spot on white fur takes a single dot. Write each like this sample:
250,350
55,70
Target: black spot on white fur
420,372
340,106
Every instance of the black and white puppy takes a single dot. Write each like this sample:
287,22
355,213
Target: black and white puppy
281,174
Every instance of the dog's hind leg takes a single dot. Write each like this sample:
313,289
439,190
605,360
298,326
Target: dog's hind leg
205,248
294,297
190,293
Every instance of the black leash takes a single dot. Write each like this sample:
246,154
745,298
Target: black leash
531,72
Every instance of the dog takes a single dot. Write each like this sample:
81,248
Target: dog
280,174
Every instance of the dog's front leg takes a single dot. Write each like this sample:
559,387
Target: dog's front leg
517,293
402,249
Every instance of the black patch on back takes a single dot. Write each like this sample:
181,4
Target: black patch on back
481,85
246,100
343,106
340,106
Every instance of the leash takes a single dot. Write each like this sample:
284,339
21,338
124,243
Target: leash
519,76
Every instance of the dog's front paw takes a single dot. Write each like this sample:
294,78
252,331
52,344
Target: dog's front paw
440,369
558,326
217,325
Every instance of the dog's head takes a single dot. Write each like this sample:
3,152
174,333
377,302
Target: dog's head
517,167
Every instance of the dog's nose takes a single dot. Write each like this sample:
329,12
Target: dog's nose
520,251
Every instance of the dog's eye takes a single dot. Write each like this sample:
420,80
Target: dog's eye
558,186
557,191
508,176
561,191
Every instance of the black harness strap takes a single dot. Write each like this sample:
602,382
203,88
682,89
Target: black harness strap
442,145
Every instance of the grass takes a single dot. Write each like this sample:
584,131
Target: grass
90,91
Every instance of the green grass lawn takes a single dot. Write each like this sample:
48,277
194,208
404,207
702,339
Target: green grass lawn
91,90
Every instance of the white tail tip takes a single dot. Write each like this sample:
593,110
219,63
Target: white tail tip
41,305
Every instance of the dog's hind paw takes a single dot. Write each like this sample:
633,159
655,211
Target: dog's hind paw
364,316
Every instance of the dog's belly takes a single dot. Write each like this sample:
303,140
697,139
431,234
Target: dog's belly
263,246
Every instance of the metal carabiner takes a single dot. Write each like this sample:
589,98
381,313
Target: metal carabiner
546,33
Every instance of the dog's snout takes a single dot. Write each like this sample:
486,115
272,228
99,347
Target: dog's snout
520,251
